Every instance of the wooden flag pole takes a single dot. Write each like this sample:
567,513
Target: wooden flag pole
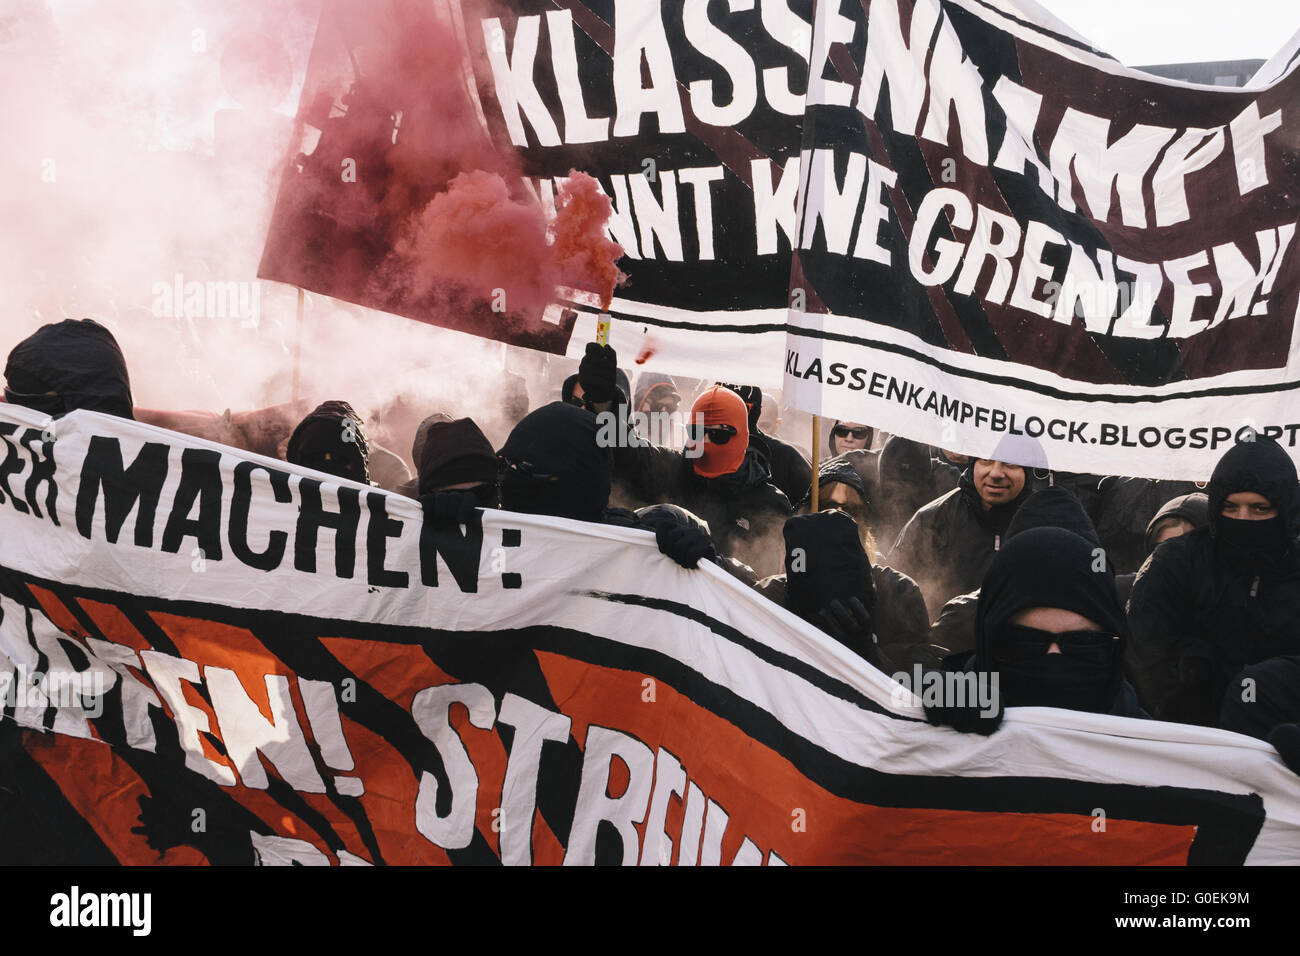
816,460
297,347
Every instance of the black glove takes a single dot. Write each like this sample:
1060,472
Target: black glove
968,719
1285,739
597,374
684,544
849,622
444,508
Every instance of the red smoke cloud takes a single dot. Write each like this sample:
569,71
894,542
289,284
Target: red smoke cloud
406,203
584,255
477,237
481,240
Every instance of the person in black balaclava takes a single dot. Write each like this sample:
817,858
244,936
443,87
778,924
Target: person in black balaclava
456,456
599,384
1216,600
1052,507
552,464
1049,625
332,439
457,470
830,582
69,365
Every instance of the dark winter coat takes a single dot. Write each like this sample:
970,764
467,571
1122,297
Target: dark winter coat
1202,610
1123,513
789,469
908,478
1193,508
949,544
742,509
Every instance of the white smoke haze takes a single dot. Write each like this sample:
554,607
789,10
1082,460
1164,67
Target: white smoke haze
144,142
143,147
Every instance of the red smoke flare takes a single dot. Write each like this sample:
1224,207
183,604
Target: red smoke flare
585,256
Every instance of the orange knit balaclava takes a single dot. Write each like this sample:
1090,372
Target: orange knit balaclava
719,406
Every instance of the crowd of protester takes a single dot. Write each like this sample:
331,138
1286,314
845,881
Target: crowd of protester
1118,595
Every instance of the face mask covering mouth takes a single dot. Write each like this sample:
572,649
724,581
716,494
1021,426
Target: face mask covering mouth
1079,678
51,405
1262,538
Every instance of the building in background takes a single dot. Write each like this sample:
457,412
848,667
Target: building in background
1216,73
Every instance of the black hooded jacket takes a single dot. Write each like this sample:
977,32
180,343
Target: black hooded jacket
1123,512
1203,607
788,469
80,360
1193,508
553,465
949,544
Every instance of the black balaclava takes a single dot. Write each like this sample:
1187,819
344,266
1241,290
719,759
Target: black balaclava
1260,466
321,441
422,435
1051,568
80,361
553,465
456,452
824,562
1053,508
621,385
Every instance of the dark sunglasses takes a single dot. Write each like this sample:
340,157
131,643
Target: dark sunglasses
718,434
840,431
1019,643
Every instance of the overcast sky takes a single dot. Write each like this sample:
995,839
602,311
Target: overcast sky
1147,32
